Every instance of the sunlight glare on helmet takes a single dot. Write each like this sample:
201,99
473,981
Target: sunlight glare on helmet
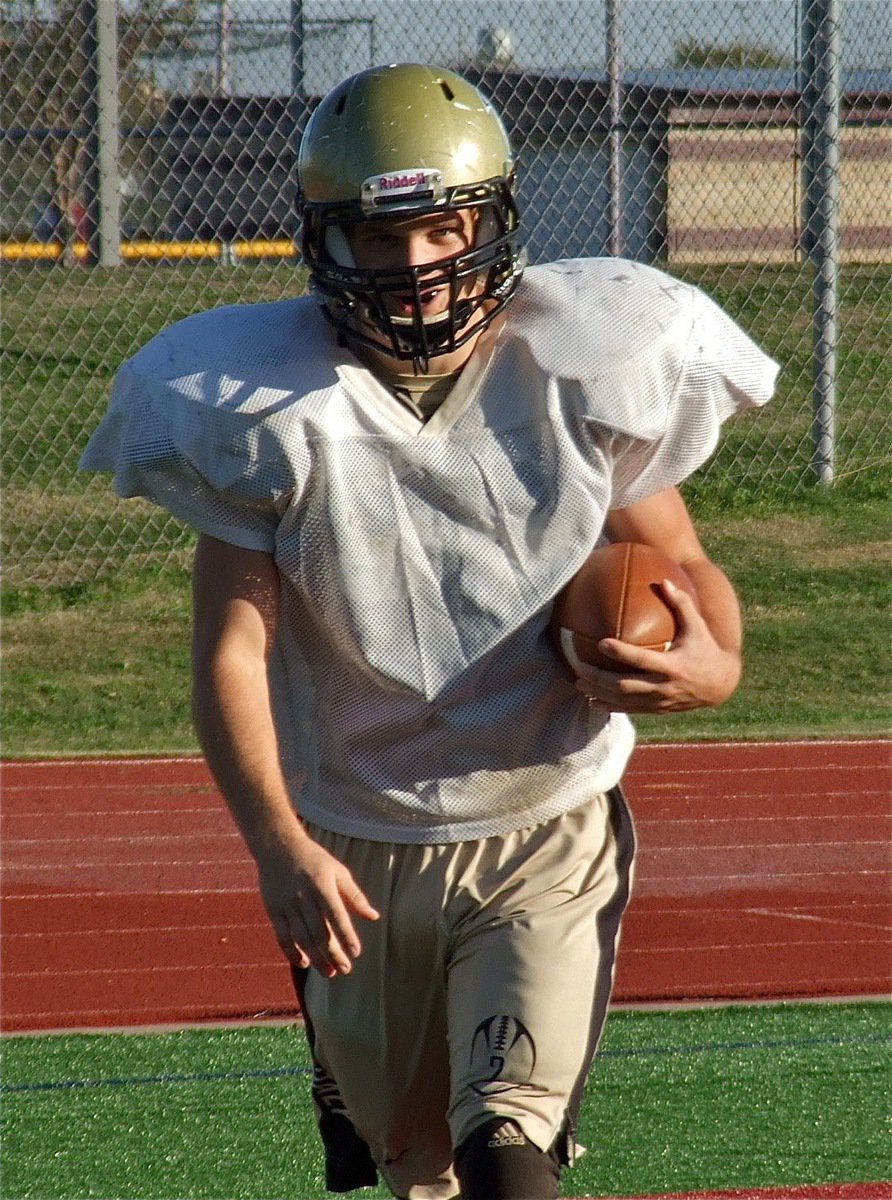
466,155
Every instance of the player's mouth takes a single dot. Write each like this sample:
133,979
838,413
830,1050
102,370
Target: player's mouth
431,303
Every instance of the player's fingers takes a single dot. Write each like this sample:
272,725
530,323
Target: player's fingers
321,926
289,946
635,658
357,901
342,930
682,603
313,932
641,685
305,937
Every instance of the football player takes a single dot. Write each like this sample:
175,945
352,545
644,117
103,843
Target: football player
392,477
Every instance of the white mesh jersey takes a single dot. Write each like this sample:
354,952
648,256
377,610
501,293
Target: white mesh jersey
416,692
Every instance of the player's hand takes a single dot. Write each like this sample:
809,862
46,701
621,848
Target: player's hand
695,673
311,898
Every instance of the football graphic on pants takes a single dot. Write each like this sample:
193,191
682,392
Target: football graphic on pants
503,1054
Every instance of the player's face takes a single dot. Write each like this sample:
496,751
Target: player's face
395,243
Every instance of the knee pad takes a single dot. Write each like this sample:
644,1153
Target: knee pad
497,1162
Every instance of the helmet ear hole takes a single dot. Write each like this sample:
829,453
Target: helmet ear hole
338,246
488,227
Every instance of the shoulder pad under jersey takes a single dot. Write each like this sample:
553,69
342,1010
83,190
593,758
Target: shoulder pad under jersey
619,329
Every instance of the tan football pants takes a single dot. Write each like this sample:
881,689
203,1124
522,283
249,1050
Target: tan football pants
482,990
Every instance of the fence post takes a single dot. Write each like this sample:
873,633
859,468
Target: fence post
615,103
102,185
297,102
820,162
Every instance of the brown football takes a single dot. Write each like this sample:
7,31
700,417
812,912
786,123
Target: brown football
617,593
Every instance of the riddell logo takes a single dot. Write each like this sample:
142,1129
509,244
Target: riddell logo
389,182
402,187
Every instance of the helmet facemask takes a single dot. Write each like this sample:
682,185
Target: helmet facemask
356,298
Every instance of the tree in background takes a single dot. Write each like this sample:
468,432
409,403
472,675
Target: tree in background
740,56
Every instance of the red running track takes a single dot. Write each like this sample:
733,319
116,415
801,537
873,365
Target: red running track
128,899
821,1191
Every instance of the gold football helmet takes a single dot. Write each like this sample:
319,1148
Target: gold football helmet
408,140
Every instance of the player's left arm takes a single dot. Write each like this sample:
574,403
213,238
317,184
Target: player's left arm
703,667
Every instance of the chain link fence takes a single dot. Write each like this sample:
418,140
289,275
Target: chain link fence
148,172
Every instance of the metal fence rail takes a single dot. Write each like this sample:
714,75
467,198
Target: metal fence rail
148,172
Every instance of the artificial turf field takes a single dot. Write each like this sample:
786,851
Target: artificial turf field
713,1098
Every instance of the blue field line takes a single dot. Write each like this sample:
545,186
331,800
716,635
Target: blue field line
290,1072
144,1080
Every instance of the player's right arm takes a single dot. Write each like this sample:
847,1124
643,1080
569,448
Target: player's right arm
309,896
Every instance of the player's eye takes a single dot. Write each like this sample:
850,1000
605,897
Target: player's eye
447,235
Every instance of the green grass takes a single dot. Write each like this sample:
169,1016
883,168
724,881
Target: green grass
100,666
718,1098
